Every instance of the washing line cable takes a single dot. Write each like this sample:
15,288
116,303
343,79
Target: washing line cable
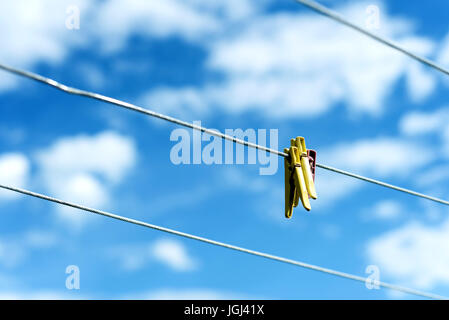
151,113
225,245
317,7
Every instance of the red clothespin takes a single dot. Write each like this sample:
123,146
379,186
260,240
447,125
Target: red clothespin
311,154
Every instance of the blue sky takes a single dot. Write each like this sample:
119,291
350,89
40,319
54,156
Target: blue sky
231,64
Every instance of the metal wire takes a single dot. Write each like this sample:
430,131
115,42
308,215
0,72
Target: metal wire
132,107
337,17
318,8
383,184
224,245
151,113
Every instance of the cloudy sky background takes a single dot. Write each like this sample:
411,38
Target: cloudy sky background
231,64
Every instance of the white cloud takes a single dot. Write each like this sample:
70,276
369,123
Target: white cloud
386,210
11,253
380,156
179,199
434,176
39,239
83,169
267,59
85,189
171,253
236,178
443,55
191,19
117,20
418,123
107,154
436,122
15,249
282,64
330,231
415,254
185,102
8,280
290,64
420,82
14,171
332,187
38,295
91,74
33,31
188,294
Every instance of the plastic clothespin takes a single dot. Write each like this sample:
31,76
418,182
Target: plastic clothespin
299,169
295,184
306,168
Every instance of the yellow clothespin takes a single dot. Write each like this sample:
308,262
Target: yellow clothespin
299,184
305,164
